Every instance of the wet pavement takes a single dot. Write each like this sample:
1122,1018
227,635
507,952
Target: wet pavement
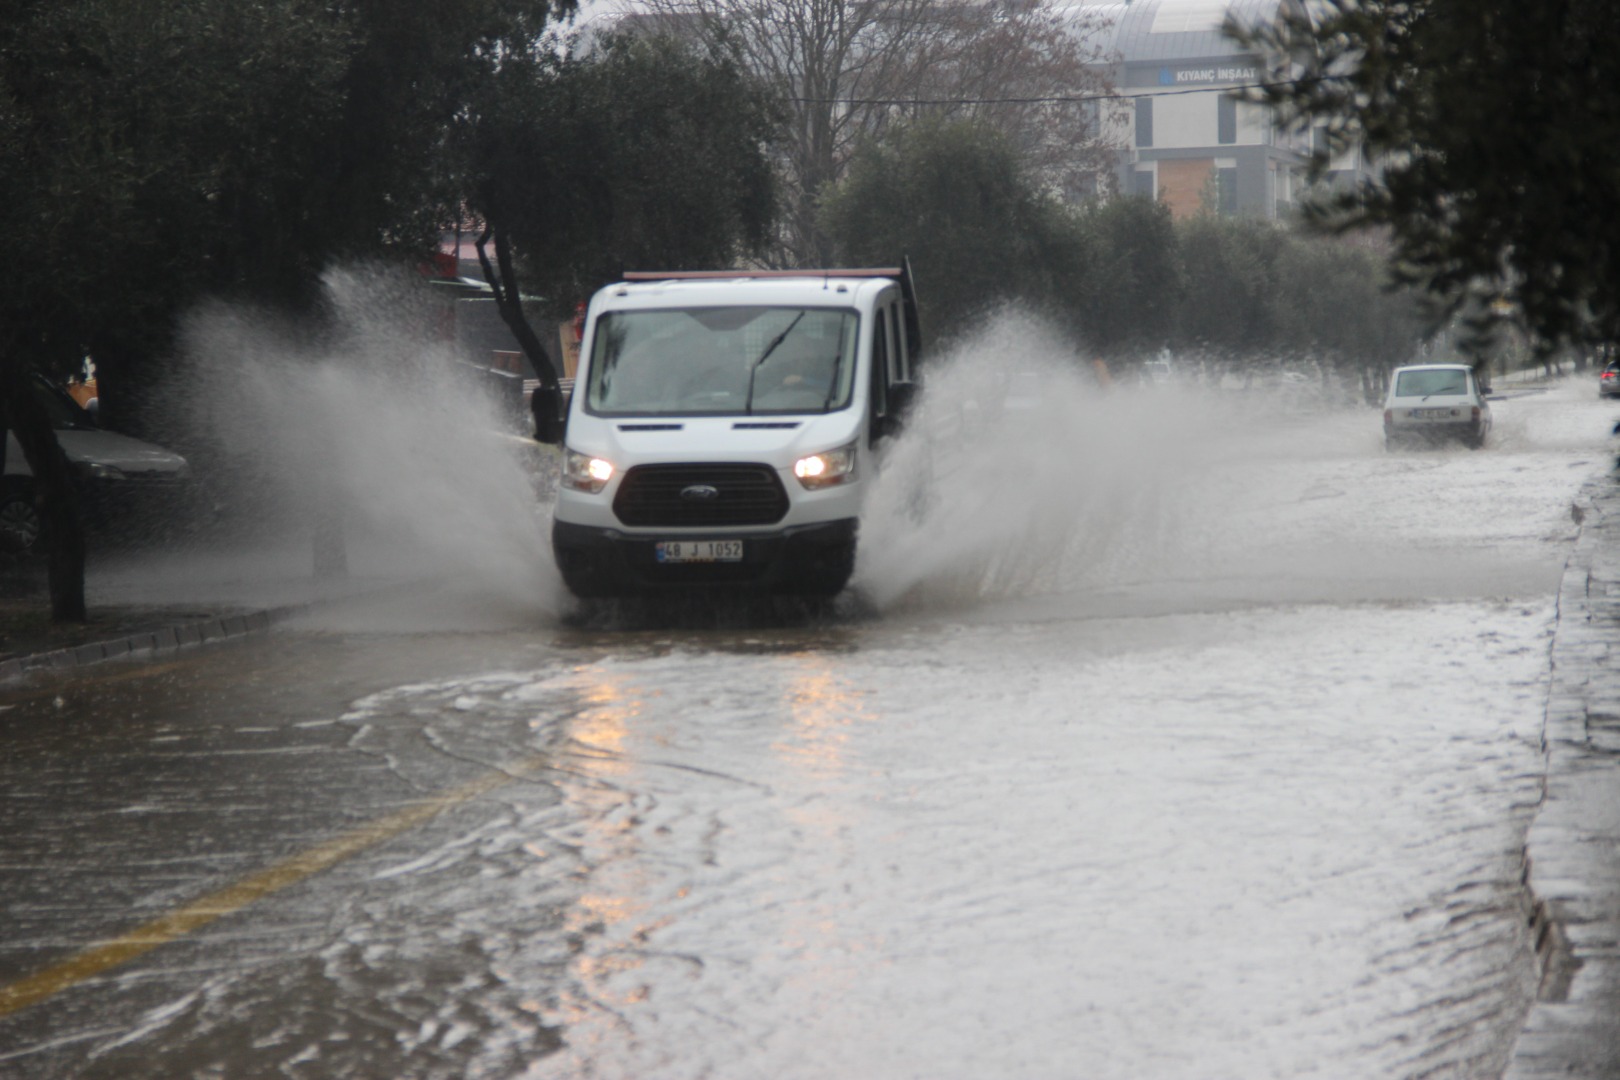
1259,814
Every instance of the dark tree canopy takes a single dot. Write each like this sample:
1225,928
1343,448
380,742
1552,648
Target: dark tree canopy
160,150
1122,277
964,205
1494,130
644,154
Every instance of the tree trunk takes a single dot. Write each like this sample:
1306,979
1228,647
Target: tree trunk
509,301
55,497
546,404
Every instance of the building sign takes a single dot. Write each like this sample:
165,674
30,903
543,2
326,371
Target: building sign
1234,71
1227,74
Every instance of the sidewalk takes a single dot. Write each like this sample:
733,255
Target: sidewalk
1573,849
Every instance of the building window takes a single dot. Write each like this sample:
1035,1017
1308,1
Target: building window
1319,141
1142,183
1226,190
1144,121
1091,118
1226,119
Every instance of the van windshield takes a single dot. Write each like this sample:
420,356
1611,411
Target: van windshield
722,361
1429,383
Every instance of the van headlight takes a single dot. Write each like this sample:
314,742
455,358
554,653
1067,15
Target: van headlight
826,469
582,472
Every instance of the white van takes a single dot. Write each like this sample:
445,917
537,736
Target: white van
722,428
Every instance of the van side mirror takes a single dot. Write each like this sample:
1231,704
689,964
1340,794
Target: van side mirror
546,406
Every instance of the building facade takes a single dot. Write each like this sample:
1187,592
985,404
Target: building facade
1188,140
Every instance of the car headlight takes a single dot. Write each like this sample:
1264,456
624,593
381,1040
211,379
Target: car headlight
582,472
826,469
95,470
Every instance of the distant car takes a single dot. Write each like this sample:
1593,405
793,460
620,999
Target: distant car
119,477
1434,403
1609,381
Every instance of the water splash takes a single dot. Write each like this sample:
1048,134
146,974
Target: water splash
1024,472
370,417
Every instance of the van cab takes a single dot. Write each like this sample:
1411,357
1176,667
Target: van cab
724,426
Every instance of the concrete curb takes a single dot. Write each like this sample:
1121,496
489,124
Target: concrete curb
189,635
181,636
1572,853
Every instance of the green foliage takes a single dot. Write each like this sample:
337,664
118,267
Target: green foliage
1496,127
1122,276
957,198
645,155
1230,274
160,150
1132,288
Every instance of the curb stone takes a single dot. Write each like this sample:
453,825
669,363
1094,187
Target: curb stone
1572,852
169,639
186,635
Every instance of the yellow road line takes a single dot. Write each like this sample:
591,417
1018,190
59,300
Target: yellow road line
35,988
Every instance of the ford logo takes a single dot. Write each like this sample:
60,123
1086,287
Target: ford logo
700,492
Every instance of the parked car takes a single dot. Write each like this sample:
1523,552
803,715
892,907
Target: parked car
121,480
1434,403
1609,381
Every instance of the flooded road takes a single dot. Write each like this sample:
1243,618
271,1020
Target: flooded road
1235,786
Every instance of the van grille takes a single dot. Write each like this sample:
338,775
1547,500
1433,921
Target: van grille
662,495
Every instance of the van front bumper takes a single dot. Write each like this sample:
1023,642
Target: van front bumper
803,560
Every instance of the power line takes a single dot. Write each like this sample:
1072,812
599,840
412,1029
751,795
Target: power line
1057,99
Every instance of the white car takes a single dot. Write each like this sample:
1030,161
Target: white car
1434,403
117,475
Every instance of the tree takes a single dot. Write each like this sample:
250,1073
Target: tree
849,69
1131,295
160,150
121,120
962,202
1494,129
1228,305
646,153
1335,302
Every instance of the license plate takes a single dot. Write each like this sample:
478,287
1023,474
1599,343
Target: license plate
1434,414
688,551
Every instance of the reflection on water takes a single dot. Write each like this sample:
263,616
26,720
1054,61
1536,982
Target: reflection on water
822,707
613,868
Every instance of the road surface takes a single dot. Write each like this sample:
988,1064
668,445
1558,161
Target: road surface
1171,736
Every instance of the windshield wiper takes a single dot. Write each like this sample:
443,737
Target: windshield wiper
753,369
832,383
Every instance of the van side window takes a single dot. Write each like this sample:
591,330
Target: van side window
891,324
880,363
902,348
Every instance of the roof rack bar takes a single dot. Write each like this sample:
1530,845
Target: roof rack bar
728,275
